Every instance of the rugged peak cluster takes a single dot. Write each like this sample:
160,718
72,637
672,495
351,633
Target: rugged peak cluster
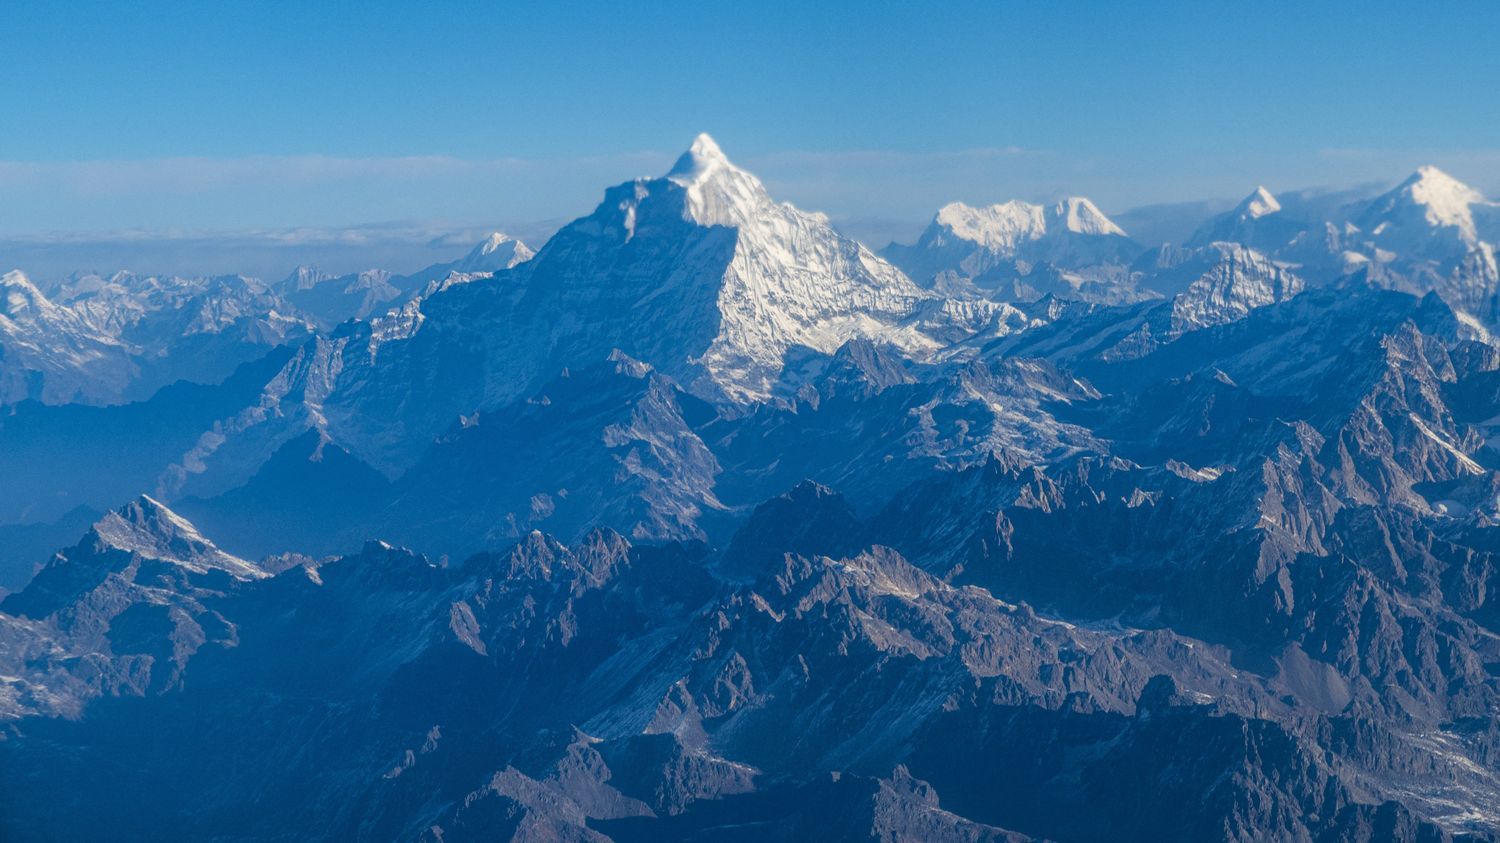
705,518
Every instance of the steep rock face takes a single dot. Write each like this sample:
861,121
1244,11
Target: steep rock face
986,763
811,519
52,454
1472,286
833,555
600,691
153,312
310,496
867,428
1322,496
49,353
1431,233
330,299
1239,281
106,339
1213,285
698,273
120,613
25,547
838,807
609,444
792,280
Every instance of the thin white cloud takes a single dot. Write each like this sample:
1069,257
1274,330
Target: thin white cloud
901,184
301,190
898,158
56,213
888,180
1479,167
198,175
265,253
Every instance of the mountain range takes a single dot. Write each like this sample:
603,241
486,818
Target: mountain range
705,521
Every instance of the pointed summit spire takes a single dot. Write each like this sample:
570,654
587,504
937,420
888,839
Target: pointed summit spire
491,243
1260,203
702,159
719,193
18,295
705,147
1081,216
1257,221
148,528
495,252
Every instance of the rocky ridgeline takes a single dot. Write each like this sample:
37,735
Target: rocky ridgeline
708,522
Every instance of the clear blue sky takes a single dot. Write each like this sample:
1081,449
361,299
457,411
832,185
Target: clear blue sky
233,115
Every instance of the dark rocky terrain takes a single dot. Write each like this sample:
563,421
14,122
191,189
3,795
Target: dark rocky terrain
806,549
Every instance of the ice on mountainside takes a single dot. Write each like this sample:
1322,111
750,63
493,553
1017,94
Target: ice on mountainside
497,251
366,295
1062,536
1237,281
699,271
50,352
1080,216
1005,228
793,280
999,228
1429,214
1258,204
1020,251
1258,222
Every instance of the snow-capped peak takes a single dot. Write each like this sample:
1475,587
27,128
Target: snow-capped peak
18,297
702,162
16,280
495,252
703,152
1257,221
305,277
492,243
1260,203
1430,198
999,228
1080,216
1446,199
718,192
1004,227
146,527
792,279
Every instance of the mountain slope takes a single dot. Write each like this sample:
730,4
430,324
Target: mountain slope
1258,222
828,553
1431,214
330,299
698,274
994,246
49,353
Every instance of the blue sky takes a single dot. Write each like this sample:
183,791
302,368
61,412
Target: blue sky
208,116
